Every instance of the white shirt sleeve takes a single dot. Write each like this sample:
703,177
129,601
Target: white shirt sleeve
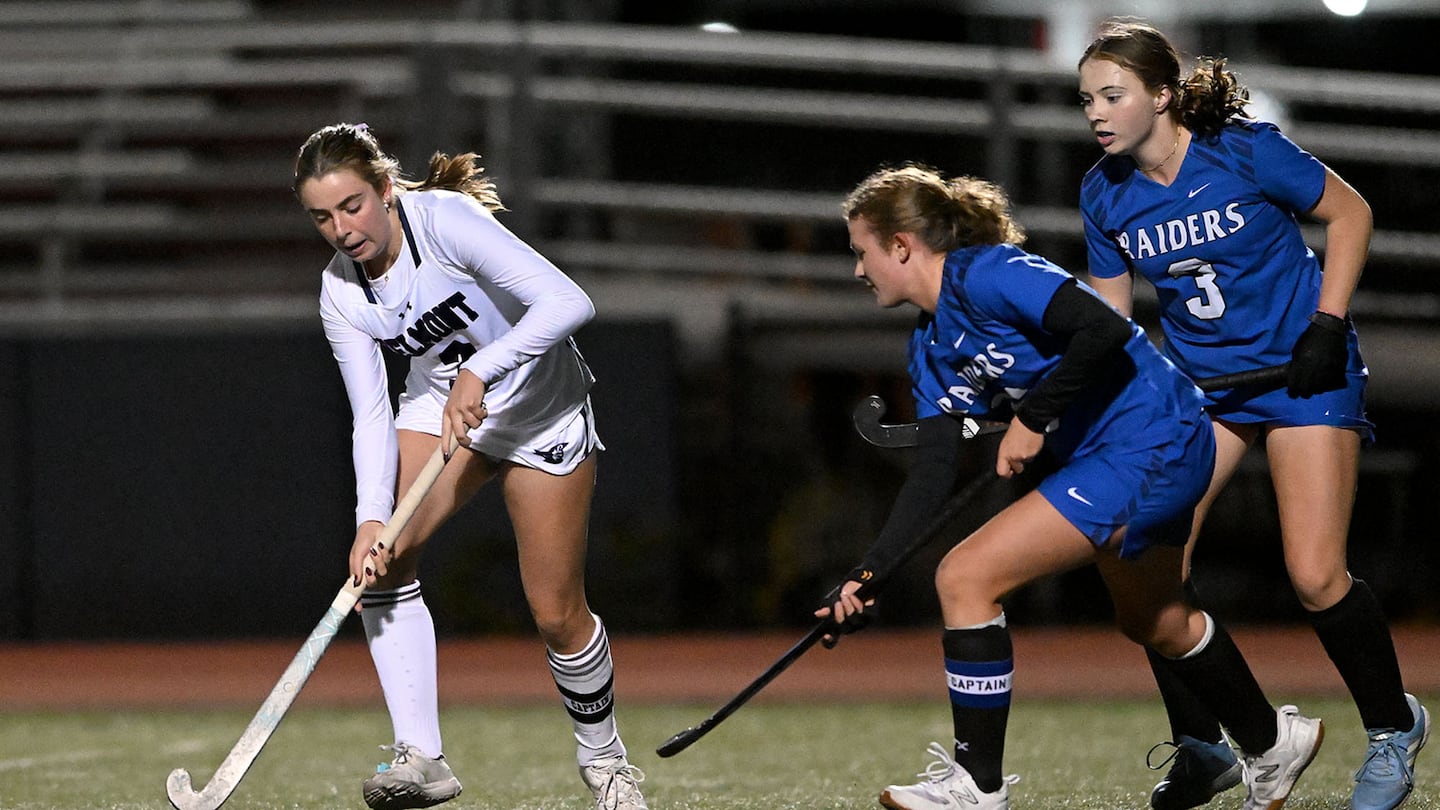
555,305
374,446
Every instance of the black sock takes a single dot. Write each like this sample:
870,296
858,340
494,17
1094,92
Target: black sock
978,667
1356,636
1187,714
1220,678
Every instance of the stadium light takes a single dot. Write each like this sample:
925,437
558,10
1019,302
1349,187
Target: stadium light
1346,8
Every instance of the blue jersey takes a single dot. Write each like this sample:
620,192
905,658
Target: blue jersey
985,348
1235,279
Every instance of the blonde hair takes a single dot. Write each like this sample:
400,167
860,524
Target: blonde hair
944,213
354,147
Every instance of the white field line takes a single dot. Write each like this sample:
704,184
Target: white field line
23,763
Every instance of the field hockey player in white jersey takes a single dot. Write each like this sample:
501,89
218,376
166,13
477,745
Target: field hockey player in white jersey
1204,202
424,269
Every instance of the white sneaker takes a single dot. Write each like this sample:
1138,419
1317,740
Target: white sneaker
947,786
410,780
615,783
1272,775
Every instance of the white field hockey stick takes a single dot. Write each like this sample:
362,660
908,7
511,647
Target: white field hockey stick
238,761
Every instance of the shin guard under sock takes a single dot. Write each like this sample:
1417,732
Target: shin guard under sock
979,665
1187,714
586,681
1356,636
1221,679
401,637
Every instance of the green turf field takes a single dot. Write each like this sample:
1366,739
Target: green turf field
1069,754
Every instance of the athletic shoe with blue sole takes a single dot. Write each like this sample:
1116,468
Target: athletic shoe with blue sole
1388,775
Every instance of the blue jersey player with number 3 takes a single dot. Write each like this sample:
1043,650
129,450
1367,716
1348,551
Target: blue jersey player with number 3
1203,203
1005,334
423,269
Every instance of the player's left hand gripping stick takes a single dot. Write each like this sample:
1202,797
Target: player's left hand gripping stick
182,795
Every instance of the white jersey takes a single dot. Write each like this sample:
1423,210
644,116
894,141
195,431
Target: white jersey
464,293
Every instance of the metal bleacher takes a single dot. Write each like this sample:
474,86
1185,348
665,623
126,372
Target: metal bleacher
145,149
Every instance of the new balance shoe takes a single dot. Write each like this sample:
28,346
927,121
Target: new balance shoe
410,780
947,786
615,783
1388,774
1199,771
1272,775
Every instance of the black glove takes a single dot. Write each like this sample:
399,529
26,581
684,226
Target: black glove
1320,357
855,621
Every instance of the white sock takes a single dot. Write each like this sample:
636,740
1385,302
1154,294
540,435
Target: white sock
586,681
401,636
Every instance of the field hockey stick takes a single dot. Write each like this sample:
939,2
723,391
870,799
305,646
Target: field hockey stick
952,510
868,413
272,711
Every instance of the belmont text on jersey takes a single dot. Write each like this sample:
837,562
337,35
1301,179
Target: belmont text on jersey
441,321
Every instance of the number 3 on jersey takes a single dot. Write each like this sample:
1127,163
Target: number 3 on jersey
457,352
1209,304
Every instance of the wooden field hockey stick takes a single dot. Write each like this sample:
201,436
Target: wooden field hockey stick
952,510
272,711
868,413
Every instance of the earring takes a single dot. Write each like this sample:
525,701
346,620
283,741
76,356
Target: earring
387,205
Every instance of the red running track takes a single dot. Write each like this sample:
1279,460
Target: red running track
703,668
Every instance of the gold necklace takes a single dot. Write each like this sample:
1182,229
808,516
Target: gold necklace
1173,150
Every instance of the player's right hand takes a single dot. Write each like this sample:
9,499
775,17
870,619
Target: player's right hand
846,609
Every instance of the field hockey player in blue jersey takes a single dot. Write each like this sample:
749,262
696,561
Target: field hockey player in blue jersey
1003,334
423,269
1205,204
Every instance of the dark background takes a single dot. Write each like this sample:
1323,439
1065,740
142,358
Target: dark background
194,481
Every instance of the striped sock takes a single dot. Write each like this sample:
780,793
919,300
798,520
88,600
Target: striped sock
586,681
979,665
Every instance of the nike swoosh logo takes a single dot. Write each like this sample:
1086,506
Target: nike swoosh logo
1074,492
1195,191
959,340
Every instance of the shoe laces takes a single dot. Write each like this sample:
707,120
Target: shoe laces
622,781
1175,749
403,753
942,767
1386,756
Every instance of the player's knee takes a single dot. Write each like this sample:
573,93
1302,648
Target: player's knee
561,624
1317,586
959,582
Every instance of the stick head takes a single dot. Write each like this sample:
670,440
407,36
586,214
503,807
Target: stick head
183,796
679,742
867,424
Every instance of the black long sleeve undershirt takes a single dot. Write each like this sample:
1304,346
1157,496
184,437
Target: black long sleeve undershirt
1094,336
